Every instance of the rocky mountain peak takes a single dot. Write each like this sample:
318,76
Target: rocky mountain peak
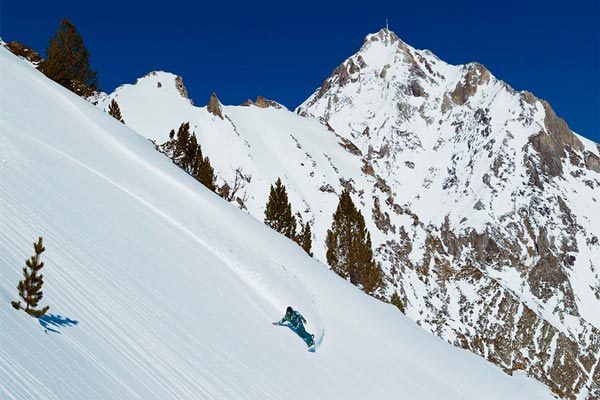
490,176
385,36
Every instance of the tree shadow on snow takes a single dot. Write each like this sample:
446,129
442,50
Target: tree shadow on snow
50,320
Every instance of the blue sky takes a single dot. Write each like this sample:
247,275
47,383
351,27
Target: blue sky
284,50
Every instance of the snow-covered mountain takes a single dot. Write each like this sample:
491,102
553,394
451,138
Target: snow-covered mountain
506,193
160,289
481,202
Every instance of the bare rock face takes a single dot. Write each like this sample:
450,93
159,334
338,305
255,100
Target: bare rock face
214,106
592,161
552,143
475,76
26,52
262,102
505,330
546,277
528,97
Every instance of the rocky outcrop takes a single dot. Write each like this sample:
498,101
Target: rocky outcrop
475,76
181,89
495,323
214,106
262,102
553,143
592,161
266,103
23,51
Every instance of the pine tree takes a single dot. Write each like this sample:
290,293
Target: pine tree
206,174
181,145
30,288
349,248
114,111
304,239
278,213
67,61
198,166
168,147
192,157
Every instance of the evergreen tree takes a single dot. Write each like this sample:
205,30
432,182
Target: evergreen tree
304,239
67,61
181,145
114,111
278,213
349,251
206,173
198,166
30,288
192,157
168,147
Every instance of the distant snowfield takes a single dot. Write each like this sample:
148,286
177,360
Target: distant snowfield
161,290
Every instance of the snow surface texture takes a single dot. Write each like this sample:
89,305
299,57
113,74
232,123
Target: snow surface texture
422,142
160,289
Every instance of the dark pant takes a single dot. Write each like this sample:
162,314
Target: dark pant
307,337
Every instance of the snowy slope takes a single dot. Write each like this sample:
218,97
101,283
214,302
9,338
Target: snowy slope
159,289
479,199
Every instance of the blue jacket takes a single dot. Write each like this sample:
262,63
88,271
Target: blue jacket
294,319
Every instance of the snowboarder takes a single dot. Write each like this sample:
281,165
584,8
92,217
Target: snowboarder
296,321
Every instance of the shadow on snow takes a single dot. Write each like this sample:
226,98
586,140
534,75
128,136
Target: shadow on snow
50,320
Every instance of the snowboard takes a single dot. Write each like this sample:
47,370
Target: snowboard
317,341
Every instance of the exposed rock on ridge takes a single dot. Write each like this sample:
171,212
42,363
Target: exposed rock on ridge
214,106
23,51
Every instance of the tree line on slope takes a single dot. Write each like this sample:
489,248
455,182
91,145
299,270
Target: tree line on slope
348,242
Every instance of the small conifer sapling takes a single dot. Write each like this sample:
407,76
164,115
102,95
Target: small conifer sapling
30,288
